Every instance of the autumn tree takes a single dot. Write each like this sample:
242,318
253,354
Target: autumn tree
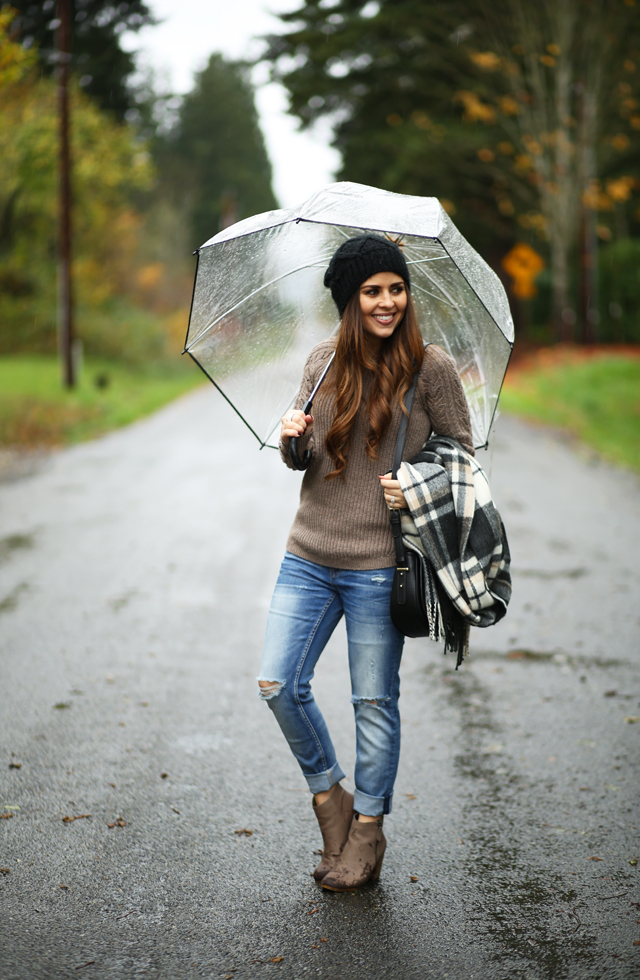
522,116
110,167
99,62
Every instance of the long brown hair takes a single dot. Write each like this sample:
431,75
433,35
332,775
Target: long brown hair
400,355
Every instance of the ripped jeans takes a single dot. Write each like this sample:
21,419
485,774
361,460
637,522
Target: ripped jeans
308,602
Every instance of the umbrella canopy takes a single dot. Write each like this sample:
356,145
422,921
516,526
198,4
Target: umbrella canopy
259,304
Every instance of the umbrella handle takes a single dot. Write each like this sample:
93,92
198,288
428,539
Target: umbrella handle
299,464
294,455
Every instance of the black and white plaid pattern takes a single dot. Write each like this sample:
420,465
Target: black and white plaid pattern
454,524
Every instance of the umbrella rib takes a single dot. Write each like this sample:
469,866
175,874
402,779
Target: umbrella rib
308,265
437,258
438,298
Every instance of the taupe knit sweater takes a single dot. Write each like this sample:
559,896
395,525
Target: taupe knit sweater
345,523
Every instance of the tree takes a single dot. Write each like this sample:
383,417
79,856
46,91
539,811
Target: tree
110,167
214,161
99,62
522,115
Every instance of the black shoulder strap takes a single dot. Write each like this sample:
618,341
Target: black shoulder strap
394,515
404,425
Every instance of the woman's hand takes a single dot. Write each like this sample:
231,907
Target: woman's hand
393,495
294,423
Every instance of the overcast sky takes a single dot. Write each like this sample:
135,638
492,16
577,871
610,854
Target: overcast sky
191,30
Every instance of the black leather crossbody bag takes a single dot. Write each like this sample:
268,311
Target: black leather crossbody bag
408,606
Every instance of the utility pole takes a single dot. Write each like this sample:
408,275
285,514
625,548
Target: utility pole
65,284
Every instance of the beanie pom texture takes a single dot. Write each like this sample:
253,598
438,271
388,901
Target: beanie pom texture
359,258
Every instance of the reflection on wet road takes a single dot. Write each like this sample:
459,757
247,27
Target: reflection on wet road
135,576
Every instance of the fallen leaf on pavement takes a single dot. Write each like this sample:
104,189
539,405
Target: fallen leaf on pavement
311,911
631,719
324,940
62,704
65,887
413,877
113,785
117,823
276,959
596,859
88,963
15,765
410,796
5,871
5,816
247,833
175,809
633,862
80,816
164,775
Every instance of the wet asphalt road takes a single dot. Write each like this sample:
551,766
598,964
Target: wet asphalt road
135,578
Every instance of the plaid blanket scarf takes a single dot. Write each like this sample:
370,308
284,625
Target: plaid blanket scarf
455,527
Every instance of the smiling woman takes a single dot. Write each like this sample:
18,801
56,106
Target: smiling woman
340,557
383,300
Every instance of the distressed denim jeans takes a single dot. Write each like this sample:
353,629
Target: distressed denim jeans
308,602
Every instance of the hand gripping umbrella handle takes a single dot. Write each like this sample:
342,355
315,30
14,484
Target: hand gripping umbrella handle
294,456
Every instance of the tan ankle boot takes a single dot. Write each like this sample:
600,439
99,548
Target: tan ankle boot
361,858
334,816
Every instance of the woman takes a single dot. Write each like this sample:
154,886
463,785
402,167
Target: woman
339,558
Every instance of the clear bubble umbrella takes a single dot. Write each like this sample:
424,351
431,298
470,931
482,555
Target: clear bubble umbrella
259,304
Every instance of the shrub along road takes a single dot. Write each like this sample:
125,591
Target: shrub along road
153,823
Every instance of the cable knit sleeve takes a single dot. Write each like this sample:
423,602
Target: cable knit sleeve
444,398
312,369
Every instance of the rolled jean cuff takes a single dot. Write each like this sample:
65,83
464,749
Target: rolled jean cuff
371,806
320,782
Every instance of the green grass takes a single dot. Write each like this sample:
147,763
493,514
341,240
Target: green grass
596,399
36,411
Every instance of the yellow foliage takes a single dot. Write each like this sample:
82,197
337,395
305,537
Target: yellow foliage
107,165
421,119
449,206
595,198
506,148
486,155
474,109
508,105
523,264
149,276
523,162
619,190
620,141
394,119
547,60
554,49
176,327
15,61
486,60
531,145
534,221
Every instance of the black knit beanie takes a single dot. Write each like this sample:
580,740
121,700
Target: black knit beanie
359,258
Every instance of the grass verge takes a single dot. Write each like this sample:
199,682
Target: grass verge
593,393
36,411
